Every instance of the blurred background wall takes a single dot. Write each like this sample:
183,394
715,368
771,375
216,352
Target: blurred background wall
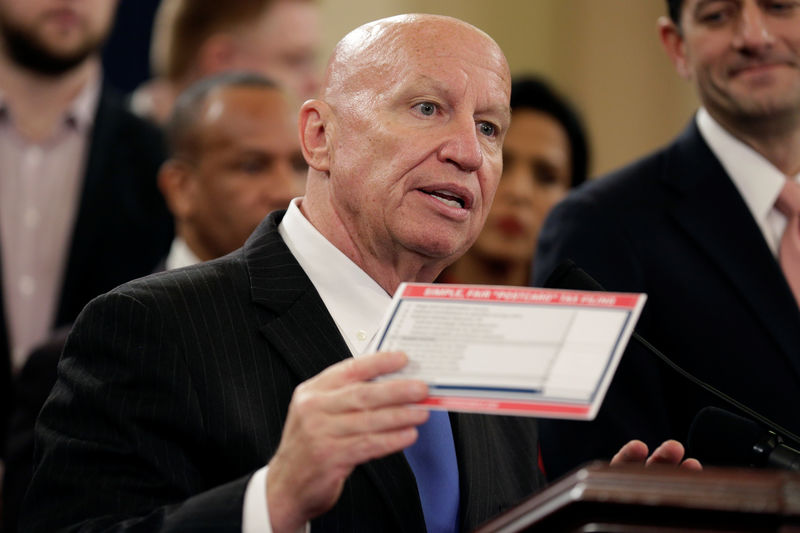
604,55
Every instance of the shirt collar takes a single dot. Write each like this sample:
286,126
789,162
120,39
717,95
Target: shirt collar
355,301
81,111
180,255
758,181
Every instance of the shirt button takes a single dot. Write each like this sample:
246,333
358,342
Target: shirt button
27,285
361,335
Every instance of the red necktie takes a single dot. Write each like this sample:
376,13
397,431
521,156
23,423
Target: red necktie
788,203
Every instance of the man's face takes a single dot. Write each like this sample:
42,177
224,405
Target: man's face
53,36
283,45
537,173
417,142
248,163
743,55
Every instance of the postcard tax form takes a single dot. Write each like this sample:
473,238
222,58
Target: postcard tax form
510,350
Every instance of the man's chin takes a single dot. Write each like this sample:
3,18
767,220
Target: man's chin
442,250
47,59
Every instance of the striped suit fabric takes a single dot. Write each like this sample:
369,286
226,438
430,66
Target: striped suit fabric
173,389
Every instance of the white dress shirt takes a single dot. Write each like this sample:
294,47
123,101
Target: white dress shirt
40,186
180,255
758,181
354,300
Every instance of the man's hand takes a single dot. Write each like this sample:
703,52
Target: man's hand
669,453
337,420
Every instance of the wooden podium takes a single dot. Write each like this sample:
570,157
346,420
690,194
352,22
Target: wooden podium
626,499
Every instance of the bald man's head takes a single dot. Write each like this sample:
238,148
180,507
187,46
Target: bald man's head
383,51
405,143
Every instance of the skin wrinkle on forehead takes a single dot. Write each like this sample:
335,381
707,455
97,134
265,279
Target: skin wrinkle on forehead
374,51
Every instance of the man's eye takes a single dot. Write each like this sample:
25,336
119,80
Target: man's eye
253,165
427,108
716,17
487,129
780,8
716,13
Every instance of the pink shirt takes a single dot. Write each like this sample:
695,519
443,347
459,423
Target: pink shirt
40,185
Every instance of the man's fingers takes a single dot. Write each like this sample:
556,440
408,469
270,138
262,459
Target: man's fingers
357,397
669,453
374,395
634,451
367,446
334,392
378,421
364,368
692,464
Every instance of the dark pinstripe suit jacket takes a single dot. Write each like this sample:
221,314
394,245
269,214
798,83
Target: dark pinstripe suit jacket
173,390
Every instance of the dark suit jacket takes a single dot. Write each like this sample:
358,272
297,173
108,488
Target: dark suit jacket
122,227
674,226
173,390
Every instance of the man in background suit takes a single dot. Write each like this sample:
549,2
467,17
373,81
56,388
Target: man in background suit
234,158
79,208
174,391
695,227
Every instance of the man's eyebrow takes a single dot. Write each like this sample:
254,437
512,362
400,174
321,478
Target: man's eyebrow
504,112
437,85
703,3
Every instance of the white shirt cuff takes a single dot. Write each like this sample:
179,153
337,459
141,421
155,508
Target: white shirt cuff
255,512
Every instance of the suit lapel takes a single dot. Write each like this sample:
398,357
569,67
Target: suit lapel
307,338
82,245
5,368
721,227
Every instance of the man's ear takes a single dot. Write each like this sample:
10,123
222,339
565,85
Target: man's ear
316,129
176,184
674,45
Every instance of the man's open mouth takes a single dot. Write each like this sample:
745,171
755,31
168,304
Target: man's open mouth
447,198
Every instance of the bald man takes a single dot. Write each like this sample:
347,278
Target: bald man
236,395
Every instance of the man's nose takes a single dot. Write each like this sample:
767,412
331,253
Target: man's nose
753,32
518,183
462,147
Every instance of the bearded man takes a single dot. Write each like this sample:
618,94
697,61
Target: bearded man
79,208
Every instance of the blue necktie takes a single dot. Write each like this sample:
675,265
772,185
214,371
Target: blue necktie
433,460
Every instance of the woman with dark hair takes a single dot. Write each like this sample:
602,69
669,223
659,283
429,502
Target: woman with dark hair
545,153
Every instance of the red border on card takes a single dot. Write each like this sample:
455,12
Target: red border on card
521,295
487,405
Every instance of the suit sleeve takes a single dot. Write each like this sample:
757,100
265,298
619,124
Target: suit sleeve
120,441
633,408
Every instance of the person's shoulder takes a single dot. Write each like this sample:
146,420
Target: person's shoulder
633,180
218,278
610,203
641,186
113,111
